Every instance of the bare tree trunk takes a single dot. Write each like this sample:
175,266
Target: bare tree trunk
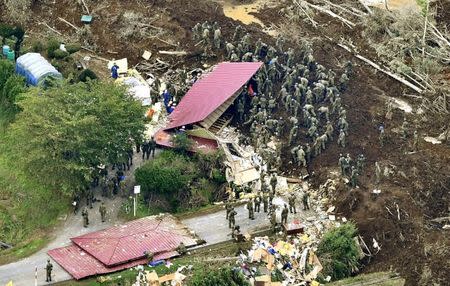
425,30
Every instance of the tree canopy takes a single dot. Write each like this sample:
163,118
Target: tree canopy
64,132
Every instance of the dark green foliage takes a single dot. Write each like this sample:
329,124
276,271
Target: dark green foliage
338,251
73,48
37,47
218,277
183,180
182,143
11,86
19,33
167,174
52,46
87,74
60,54
6,31
6,71
71,129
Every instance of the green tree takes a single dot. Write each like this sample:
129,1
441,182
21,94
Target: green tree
215,277
64,132
338,251
168,174
6,71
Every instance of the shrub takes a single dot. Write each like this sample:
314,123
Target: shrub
52,46
338,251
214,277
73,48
87,73
167,174
6,31
37,47
60,54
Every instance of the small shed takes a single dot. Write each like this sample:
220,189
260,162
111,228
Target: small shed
35,68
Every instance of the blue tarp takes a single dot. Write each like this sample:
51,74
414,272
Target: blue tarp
35,68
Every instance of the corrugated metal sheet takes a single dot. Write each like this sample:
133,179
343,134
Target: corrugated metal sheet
128,242
204,145
81,264
207,94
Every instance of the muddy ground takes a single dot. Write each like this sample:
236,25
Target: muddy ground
419,185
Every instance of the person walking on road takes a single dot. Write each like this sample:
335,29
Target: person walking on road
85,216
102,210
232,219
48,270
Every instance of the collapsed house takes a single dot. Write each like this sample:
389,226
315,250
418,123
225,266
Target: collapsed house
207,108
123,246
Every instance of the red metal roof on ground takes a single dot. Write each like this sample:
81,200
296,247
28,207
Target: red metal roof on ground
203,145
128,242
81,264
210,92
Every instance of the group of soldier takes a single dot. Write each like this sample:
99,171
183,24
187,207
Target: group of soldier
308,92
85,214
350,170
265,197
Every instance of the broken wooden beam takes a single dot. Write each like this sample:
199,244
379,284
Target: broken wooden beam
366,6
68,23
349,23
385,71
52,29
174,53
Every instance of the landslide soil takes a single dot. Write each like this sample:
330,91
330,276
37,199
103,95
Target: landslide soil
420,184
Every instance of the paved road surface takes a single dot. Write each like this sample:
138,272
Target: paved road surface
211,227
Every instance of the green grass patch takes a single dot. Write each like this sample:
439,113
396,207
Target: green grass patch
24,249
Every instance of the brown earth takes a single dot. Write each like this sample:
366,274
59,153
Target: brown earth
420,183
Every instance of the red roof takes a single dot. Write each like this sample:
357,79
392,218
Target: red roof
128,242
80,264
203,145
210,92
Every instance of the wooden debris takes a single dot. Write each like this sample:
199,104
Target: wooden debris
366,6
376,66
85,6
349,23
174,53
314,23
52,29
68,23
358,13
166,42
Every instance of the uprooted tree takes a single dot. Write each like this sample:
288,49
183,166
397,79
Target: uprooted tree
63,133
338,251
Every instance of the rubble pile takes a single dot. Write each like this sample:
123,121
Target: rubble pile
292,258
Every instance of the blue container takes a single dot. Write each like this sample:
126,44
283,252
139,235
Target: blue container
5,50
